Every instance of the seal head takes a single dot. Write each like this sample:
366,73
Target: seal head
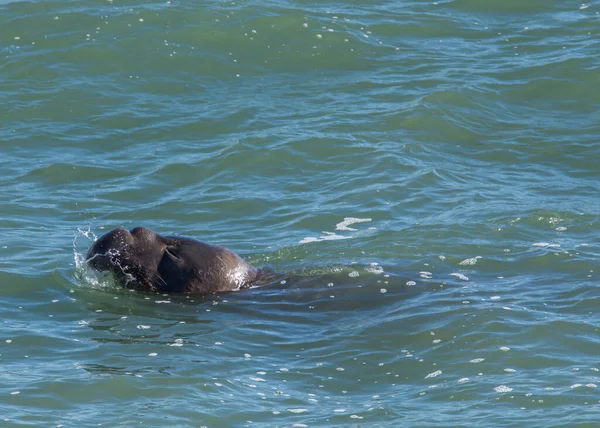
146,260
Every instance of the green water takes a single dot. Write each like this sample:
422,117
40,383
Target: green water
458,138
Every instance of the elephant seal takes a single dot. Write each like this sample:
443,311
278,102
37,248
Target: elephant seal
145,260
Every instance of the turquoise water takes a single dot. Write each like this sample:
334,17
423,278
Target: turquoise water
423,173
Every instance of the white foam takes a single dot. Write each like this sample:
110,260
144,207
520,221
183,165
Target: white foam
469,262
433,374
328,236
374,268
348,221
178,342
331,236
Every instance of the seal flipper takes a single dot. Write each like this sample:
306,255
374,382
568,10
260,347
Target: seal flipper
171,251
171,271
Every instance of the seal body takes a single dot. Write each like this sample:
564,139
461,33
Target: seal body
146,260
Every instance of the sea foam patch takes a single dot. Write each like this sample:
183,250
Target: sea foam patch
348,221
342,226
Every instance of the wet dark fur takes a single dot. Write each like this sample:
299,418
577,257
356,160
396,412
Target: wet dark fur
146,260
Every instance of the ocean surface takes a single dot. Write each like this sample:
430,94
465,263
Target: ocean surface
424,174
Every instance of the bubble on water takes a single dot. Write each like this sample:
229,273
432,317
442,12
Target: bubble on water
503,388
374,268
